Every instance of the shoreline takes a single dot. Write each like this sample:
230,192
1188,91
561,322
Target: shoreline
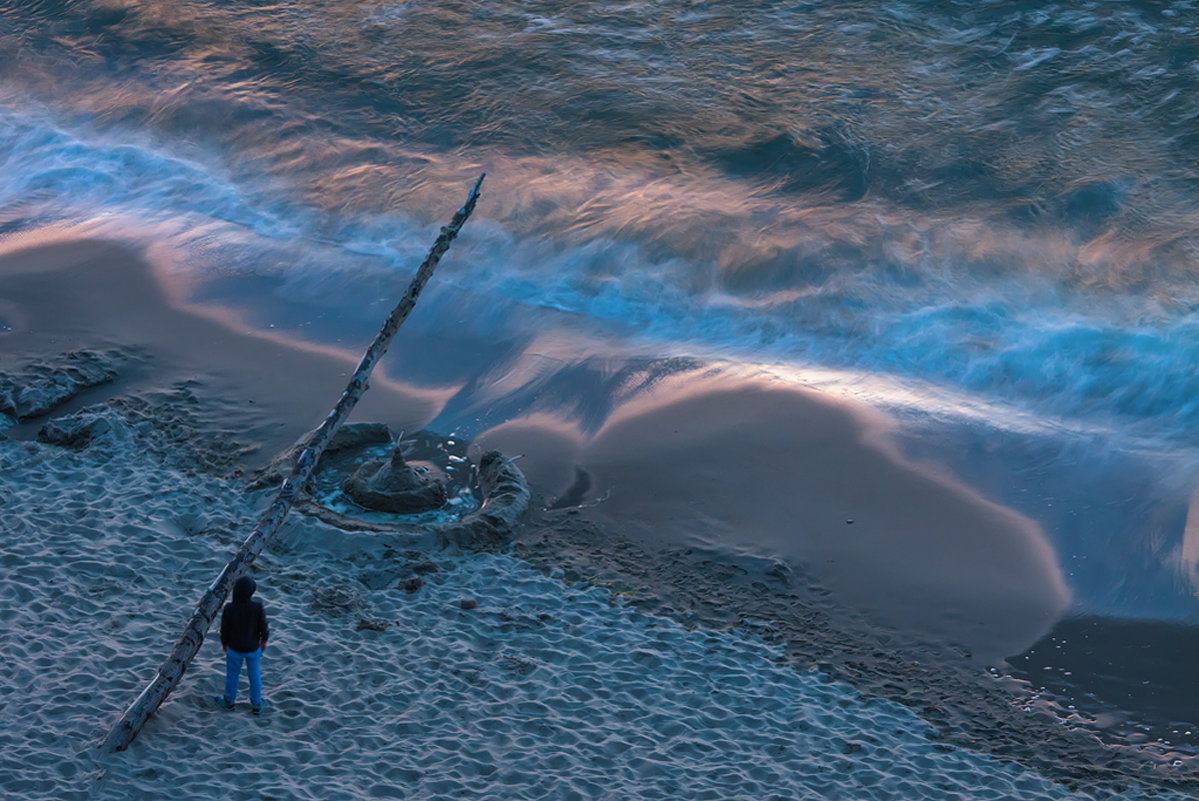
342,592
76,294
737,463
705,589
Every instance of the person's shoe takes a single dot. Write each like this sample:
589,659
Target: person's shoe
223,702
257,708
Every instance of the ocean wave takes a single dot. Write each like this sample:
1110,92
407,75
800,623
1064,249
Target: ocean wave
995,200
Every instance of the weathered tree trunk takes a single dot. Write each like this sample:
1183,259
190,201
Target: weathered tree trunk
172,670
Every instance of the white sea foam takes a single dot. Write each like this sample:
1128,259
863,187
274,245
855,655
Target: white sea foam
1011,340
845,186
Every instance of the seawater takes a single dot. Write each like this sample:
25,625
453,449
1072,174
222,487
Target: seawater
996,198
980,215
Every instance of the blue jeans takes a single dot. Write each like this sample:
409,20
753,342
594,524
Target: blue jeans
233,660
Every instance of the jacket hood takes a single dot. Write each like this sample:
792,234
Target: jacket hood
243,588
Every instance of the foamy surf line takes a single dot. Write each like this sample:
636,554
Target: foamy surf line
1013,347
139,522
542,691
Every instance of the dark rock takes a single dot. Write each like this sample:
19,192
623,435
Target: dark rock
468,603
413,583
576,492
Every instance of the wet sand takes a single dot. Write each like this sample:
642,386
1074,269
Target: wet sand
1135,678
753,466
64,295
737,464
725,500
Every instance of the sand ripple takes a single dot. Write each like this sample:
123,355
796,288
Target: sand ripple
544,691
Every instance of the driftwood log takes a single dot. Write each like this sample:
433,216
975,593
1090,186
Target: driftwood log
172,670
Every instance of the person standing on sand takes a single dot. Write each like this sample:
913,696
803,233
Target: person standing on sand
243,637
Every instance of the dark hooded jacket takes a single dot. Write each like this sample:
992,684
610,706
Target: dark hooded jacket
243,621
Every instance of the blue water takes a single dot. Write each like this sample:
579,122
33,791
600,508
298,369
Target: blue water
978,213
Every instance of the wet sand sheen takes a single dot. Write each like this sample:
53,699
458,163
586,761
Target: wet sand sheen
62,295
756,466
734,464
740,466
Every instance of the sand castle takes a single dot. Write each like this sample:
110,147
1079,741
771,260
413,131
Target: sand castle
393,485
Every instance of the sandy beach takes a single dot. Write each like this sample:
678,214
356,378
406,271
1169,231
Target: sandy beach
613,651
813,387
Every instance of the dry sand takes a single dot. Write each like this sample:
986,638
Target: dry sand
542,691
545,690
